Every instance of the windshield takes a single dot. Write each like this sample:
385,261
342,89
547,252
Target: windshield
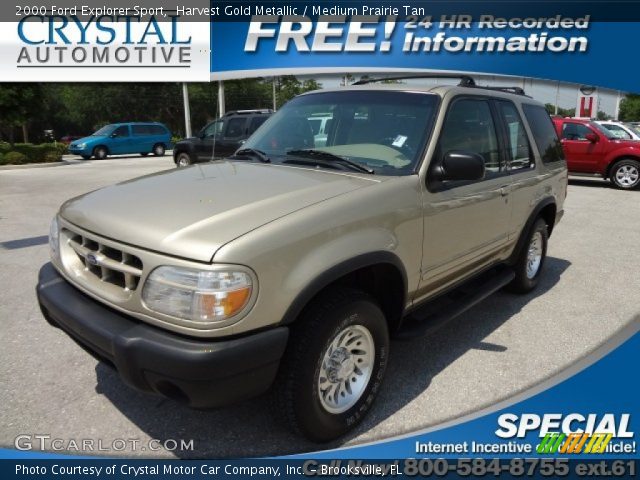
617,131
104,131
633,128
380,130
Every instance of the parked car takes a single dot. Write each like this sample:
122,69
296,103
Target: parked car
67,139
320,124
621,130
592,149
124,138
220,138
293,264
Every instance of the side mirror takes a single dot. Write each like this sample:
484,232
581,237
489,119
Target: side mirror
113,135
592,137
460,165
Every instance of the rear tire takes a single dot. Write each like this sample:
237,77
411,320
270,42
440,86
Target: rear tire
530,261
158,150
334,364
100,153
625,174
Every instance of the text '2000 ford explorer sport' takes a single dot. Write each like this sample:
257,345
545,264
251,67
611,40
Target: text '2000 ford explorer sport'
291,263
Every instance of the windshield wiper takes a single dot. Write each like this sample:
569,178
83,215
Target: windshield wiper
259,154
330,157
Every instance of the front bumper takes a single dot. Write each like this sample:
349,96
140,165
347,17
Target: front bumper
80,151
200,373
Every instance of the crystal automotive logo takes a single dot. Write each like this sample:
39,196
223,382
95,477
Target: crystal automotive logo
572,433
102,41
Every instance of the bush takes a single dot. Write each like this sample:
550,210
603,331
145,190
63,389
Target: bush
52,157
37,153
5,147
15,158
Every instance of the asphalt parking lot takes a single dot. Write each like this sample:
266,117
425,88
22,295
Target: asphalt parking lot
500,347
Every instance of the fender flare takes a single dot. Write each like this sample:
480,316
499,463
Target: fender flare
527,227
184,148
337,271
617,155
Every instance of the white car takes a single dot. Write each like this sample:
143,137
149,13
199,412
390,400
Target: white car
621,130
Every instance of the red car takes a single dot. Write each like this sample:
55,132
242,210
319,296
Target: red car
591,149
69,138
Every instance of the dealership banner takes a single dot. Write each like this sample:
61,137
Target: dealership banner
580,422
587,43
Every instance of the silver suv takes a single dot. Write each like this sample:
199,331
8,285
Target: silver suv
292,263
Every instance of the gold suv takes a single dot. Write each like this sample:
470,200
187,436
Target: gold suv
294,260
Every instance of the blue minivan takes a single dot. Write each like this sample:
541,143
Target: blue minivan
123,138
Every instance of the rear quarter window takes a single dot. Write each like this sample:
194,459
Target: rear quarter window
256,122
544,133
158,130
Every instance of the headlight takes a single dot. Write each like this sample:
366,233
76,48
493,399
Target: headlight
197,295
54,238
81,145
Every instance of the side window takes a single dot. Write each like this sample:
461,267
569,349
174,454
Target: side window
544,133
213,128
157,130
140,129
519,150
235,127
256,122
575,131
122,131
469,127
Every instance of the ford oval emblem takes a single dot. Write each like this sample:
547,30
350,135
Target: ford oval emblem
92,259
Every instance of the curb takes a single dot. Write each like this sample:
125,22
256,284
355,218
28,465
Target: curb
64,161
33,165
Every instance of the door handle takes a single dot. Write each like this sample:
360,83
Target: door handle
504,190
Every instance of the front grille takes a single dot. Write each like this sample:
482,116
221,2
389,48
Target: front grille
108,264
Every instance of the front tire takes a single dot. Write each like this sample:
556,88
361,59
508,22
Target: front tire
100,153
625,174
158,150
183,159
530,261
334,365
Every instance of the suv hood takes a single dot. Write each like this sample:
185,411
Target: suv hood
191,212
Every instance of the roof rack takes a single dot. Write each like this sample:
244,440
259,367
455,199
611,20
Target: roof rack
465,81
514,90
248,112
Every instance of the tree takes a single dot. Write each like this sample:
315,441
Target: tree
630,108
81,108
19,103
289,86
563,112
